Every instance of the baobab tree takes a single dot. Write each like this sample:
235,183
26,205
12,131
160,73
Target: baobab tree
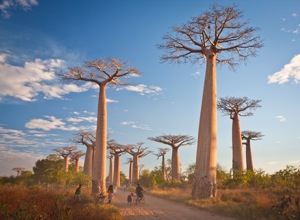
65,153
18,170
103,72
76,156
116,150
130,161
161,153
110,170
236,107
89,140
248,136
174,141
137,152
205,39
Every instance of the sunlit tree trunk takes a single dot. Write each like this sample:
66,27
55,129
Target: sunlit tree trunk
77,165
204,185
135,170
117,170
130,173
163,167
88,161
111,171
66,164
237,147
175,164
249,156
99,166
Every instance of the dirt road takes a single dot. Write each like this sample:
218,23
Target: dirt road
156,208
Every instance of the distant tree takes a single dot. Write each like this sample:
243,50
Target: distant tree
205,39
248,136
137,152
103,72
174,141
235,107
161,153
130,161
76,156
65,152
116,150
89,140
18,170
110,170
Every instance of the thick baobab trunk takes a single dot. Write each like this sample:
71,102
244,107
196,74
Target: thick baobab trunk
135,170
163,168
117,170
130,173
111,172
249,157
99,164
175,164
88,161
66,164
237,147
204,185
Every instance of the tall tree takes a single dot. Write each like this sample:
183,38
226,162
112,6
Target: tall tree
89,140
248,136
76,156
130,161
116,150
235,107
65,153
205,39
137,151
103,72
174,141
110,169
161,153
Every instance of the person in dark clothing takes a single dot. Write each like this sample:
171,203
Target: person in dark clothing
139,192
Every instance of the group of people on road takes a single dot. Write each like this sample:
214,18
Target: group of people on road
110,192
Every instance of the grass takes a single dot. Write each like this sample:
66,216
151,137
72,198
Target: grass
246,204
19,202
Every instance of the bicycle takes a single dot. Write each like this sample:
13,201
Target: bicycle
140,199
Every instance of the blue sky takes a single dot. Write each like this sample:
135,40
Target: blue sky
38,113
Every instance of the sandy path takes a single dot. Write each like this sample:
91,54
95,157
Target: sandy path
156,208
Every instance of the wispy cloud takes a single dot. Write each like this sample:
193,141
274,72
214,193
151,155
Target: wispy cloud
143,89
7,5
196,74
34,78
280,118
49,123
294,14
136,125
289,71
273,162
111,101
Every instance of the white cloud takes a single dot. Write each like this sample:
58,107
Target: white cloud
33,78
136,125
50,124
7,5
289,71
144,89
111,101
280,118
81,119
294,15
196,74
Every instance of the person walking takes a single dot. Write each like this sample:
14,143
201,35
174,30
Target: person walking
77,193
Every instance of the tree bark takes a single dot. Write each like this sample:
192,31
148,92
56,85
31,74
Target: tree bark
135,170
77,165
117,170
66,164
175,164
99,164
88,162
249,157
130,173
163,168
237,147
204,185
111,171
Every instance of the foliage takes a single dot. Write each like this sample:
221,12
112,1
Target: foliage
20,202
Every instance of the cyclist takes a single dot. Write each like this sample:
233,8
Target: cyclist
139,193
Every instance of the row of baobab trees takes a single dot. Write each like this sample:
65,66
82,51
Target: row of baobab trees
234,107
218,36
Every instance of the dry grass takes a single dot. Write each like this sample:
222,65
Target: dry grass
243,204
20,202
